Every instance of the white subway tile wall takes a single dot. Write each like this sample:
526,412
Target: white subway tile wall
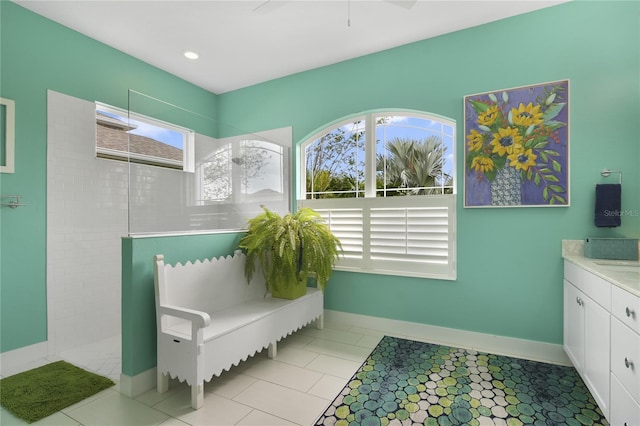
86,218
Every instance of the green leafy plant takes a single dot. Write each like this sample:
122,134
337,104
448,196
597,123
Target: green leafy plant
289,248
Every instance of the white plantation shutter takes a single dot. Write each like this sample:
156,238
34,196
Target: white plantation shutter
409,234
413,235
346,224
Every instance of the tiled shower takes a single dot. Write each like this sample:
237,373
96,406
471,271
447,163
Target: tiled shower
86,218
93,202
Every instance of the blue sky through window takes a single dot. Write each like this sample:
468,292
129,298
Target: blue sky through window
142,128
407,127
418,129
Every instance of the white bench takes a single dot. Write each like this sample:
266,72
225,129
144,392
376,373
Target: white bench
209,319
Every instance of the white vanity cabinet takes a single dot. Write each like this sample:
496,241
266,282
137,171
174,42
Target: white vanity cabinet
625,358
587,303
602,340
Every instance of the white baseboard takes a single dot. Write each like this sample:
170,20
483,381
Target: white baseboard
17,358
500,345
133,386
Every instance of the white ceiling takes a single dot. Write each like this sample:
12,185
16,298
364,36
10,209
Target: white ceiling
243,42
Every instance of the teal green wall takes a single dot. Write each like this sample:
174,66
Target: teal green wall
138,300
509,260
509,265
37,54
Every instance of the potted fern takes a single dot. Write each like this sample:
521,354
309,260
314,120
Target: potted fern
288,249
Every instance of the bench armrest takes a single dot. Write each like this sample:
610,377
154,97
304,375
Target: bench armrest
198,318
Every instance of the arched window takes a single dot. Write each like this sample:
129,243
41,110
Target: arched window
385,184
241,170
235,176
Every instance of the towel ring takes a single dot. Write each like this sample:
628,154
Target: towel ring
607,173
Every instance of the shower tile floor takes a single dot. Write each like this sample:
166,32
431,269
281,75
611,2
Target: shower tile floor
103,357
311,368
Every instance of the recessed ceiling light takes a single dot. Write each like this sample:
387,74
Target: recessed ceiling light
190,55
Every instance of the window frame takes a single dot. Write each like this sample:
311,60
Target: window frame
300,155
188,142
235,146
368,264
8,136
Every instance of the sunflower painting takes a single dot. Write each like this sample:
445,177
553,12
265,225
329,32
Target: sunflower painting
517,147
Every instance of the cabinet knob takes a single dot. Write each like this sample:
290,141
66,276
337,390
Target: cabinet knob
579,301
628,363
630,312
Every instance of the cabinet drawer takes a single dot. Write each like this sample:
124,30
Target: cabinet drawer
590,284
625,357
626,307
624,410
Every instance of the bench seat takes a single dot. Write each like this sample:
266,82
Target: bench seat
209,320
230,319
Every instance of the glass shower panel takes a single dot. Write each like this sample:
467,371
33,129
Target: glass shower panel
220,183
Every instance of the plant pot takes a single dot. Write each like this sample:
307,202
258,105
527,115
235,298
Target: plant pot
289,292
286,248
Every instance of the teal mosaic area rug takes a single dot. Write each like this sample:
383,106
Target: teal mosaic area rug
404,382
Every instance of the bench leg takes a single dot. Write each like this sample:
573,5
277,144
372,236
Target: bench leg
320,322
197,395
162,382
273,350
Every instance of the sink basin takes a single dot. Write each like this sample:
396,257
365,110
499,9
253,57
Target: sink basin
623,268
619,265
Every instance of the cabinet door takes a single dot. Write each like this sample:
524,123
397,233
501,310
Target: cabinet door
624,410
574,325
597,334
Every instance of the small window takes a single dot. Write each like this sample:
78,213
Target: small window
240,171
130,137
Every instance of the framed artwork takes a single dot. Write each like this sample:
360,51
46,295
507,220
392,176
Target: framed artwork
517,147
7,135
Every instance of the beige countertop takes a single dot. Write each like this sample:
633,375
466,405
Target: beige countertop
622,273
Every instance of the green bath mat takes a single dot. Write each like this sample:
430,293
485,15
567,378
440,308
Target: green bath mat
38,393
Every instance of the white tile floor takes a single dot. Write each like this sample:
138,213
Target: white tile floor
312,366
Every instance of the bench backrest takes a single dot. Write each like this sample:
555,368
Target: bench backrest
208,286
